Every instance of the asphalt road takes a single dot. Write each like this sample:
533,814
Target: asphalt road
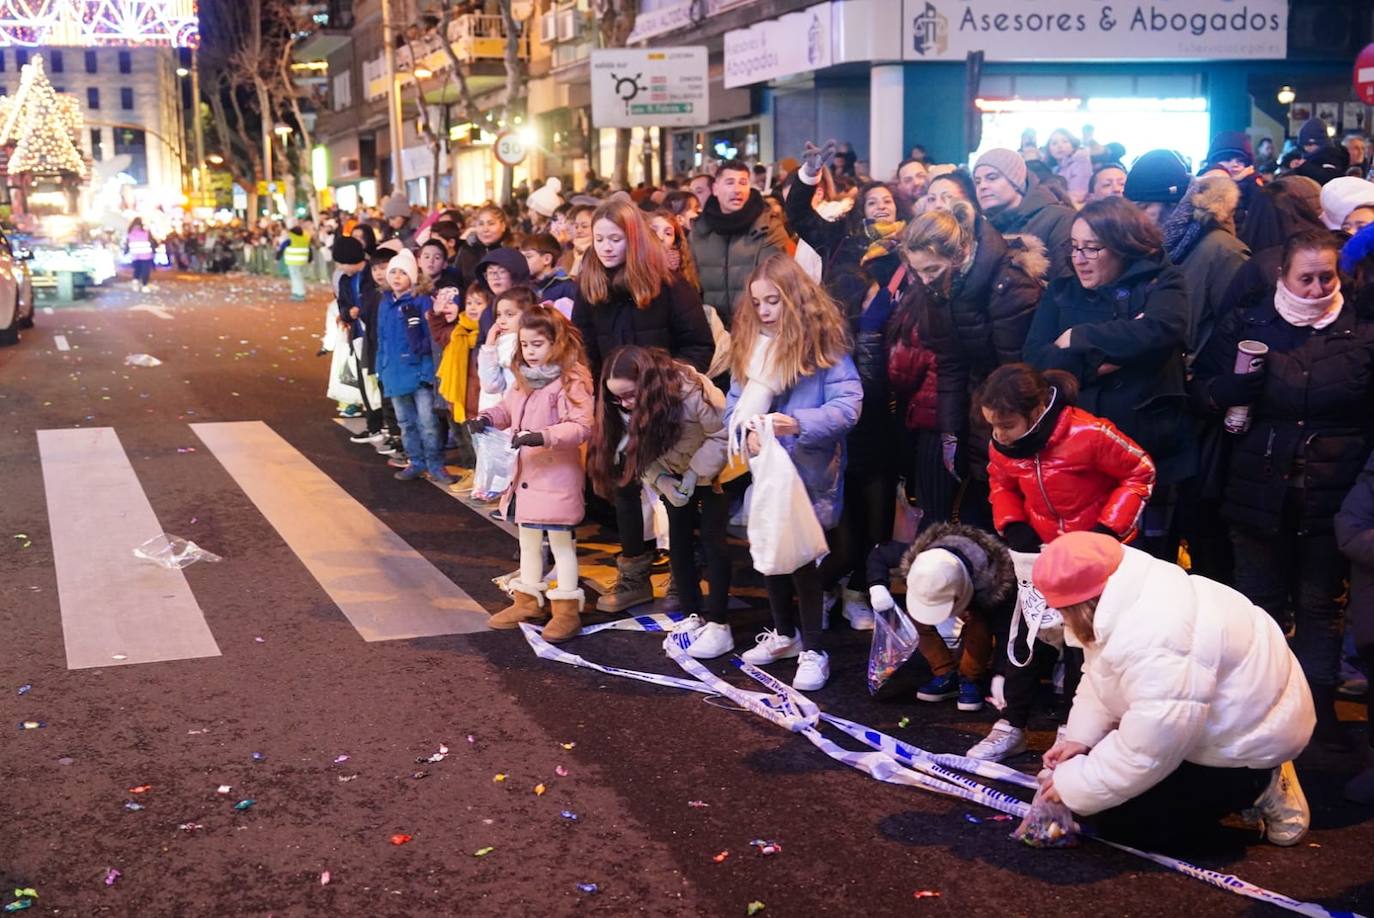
295,682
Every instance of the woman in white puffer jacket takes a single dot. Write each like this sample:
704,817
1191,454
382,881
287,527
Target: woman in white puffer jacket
1191,705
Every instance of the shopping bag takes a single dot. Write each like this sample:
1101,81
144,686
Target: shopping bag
333,332
495,468
894,667
343,392
1042,622
784,533
654,516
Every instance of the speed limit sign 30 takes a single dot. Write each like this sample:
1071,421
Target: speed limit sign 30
510,150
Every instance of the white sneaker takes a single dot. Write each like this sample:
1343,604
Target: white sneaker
689,625
857,611
813,670
771,648
1002,742
1283,807
712,640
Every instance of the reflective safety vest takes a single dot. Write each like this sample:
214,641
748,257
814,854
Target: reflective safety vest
297,249
140,245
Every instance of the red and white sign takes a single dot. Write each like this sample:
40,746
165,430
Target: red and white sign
509,149
1364,75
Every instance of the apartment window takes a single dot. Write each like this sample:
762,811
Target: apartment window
56,62
59,89
97,145
126,98
92,97
90,62
21,57
126,62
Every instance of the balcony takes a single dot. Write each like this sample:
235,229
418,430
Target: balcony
478,41
333,24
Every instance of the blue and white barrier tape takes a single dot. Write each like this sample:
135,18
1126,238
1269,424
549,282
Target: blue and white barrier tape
891,760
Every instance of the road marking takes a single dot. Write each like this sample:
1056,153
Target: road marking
61,342
112,604
159,311
385,588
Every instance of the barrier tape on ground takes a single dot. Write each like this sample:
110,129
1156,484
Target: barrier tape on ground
891,760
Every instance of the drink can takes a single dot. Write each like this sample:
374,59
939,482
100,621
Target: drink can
1249,359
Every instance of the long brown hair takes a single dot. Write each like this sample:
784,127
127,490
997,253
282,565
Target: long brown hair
645,270
1123,228
809,335
1079,617
661,384
567,352
687,265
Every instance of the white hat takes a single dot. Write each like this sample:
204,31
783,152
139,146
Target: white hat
937,586
405,262
544,201
1342,195
394,244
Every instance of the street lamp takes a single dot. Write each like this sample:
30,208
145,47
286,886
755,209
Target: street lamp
1286,95
422,73
215,159
283,131
182,71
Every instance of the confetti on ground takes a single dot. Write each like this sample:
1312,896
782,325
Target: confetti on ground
112,876
925,894
1001,817
588,888
132,807
969,817
324,878
244,804
141,789
401,839
32,725
418,775
344,779
258,757
471,738
498,778
569,815
560,771
568,746
904,722
754,907
483,852
697,804
767,848
190,826
539,790
19,905
25,688
720,858
340,759
23,539
223,789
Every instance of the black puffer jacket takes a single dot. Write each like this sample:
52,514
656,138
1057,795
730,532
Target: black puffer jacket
981,326
1311,428
841,244
1042,215
674,320
1138,324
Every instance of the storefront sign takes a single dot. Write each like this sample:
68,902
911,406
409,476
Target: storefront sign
1010,30
659,17
650,87
796,43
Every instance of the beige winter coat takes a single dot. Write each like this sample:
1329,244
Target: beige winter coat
701,446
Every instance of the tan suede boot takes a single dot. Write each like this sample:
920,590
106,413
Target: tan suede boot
528,606
631,587
567,615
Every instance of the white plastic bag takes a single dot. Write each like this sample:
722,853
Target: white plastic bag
338,390
173,552
1043,622
495,468
784,533
655,517
333,334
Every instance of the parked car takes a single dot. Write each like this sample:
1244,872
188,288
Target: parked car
16,291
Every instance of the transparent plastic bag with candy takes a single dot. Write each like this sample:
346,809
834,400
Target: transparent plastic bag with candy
891,670
1049,824
495,466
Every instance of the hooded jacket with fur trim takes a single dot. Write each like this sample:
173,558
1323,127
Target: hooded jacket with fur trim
1200,237
989,562
1180,669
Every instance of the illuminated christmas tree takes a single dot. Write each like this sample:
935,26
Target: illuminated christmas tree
44,127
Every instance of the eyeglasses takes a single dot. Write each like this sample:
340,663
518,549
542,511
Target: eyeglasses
620,400
1086,252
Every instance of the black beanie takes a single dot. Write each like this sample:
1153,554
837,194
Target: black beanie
1159,175
348,251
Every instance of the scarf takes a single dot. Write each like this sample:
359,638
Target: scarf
539,377
452,375
737,223
762,385
1038,434
1181,231
883,238
1304,313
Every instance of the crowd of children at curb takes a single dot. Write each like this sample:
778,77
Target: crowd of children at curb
1014,363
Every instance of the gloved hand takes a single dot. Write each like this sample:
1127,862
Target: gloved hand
815,158
1233,389
1104,529
527,438
1021,537
949,452
997,693
880,598
478,424
671,489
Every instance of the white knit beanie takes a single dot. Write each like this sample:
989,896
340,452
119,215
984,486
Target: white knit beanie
544,201
405,262
1342,195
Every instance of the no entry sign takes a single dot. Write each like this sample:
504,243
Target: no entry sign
1364,75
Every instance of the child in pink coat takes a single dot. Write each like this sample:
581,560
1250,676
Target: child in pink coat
549,410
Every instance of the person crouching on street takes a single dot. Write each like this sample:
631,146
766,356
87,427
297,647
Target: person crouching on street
1191,706
549,410
405,364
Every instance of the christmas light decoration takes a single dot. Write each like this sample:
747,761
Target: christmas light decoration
44,127
88,23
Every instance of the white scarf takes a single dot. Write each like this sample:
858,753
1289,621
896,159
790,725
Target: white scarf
761,386
1317,313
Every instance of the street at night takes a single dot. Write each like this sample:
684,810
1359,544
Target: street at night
269,692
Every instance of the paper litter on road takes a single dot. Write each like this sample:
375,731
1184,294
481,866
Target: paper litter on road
142,360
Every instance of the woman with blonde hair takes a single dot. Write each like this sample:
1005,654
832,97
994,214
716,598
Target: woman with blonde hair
628,295
791,368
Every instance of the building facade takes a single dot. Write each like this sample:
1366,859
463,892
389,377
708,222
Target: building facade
132,105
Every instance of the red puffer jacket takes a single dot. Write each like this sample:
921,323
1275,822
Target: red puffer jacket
910,364
1087,473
